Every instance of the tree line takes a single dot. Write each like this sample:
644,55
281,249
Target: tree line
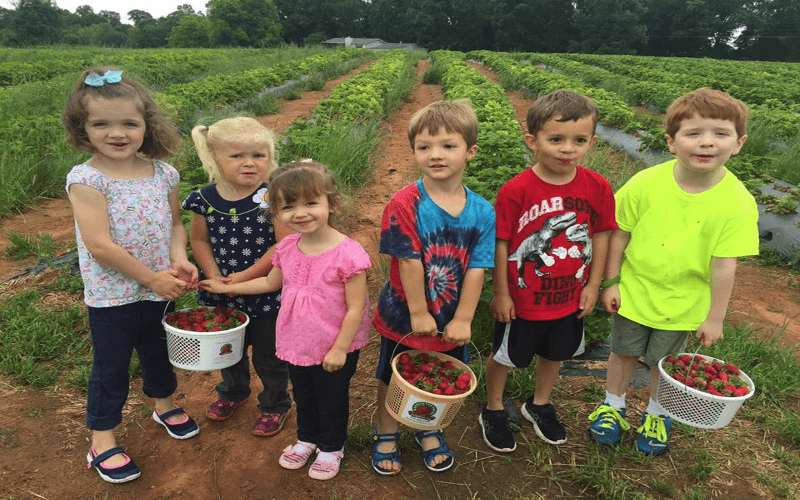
732,29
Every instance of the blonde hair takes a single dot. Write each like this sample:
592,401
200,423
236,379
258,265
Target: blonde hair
208,138
708,103
161,137
305,179
454,116
570,106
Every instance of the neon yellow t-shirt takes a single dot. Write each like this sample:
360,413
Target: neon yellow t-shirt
665,279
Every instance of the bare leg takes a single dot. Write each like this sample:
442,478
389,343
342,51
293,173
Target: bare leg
546,374
496,376
620,373
386,425
103,441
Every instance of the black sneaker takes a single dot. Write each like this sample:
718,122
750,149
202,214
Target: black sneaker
496,432
545,422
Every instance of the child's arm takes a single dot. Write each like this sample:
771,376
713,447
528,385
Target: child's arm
723,271
255,286
609,297
262,266
90,210
201,247
502,306
459,329
177,244
355,294
412,275
590,291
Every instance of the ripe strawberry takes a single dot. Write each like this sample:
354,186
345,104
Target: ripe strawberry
732,369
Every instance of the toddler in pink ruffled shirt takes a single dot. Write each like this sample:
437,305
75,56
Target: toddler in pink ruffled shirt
324,317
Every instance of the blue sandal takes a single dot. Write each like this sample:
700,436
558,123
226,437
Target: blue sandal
393,456
120,474
429,455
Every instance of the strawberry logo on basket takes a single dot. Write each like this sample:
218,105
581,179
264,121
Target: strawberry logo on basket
433,374
423,410
712,377
205,319
226,349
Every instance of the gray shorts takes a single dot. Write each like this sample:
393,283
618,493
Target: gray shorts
629,338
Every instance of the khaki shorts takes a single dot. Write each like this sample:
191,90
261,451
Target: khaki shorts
629,338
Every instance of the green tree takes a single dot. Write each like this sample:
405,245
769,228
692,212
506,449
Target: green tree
245,23
192,31
608,27
139,17
532,25
691,28
36,22
771,31
333,18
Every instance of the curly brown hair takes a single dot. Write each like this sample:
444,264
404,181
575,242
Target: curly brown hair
161,137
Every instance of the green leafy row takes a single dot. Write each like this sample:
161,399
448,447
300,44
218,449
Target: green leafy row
540,81
364,95
501,149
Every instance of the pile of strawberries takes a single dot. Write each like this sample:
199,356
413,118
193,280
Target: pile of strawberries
205,319
719,379
433,374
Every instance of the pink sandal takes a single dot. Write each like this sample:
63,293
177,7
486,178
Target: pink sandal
326,466
295,457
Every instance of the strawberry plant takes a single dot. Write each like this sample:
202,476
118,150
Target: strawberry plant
206,319
712,377
433,374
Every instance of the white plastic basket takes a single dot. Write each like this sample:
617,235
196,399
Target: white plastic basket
205,351
697,408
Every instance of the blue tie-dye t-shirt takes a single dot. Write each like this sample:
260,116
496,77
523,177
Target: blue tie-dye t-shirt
414,227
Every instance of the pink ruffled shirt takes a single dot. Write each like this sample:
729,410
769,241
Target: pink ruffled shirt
313,300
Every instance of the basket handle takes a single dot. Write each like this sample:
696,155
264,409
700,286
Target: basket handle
477,351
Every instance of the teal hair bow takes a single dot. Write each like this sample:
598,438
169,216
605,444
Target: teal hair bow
95,80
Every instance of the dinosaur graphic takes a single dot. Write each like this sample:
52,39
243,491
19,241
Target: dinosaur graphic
536,246
579,233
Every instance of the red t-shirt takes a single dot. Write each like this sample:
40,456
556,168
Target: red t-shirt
549,229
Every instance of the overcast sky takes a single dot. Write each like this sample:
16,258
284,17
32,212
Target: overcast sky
156,8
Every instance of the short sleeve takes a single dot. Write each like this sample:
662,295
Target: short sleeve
505,209
87,176
399,234
354,260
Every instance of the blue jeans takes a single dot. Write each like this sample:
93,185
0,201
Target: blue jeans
273,372
116,332
323,403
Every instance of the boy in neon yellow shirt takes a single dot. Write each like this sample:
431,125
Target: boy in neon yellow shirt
682,224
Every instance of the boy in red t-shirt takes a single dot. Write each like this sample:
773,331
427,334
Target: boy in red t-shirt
553,226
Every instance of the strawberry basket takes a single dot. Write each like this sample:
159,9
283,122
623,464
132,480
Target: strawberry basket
418,408
698,408
218,348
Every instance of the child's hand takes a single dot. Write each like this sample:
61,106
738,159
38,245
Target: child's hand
457,332
187,272
167,284
502,308
610,300
423,324
709,332
215,285
334,360
234,278
587,301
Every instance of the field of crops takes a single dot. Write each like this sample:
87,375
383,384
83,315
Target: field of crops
208,83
